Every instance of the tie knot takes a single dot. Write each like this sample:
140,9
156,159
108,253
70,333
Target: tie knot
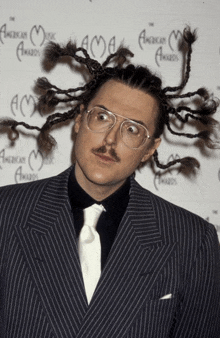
92,213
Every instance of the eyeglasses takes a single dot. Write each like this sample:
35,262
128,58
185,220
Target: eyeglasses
133,134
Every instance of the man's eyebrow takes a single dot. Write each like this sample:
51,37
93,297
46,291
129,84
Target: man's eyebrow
140,122
101,106
137,121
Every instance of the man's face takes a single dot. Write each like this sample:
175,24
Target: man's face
102,159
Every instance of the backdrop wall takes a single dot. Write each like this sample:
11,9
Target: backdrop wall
152,30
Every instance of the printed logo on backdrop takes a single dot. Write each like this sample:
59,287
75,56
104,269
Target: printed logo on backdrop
23,105
31,40
98,46
37,35
6,34
27,166
168,178
35,162
12,160
23,176
166,46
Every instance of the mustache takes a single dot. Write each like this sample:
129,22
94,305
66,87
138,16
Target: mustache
103,150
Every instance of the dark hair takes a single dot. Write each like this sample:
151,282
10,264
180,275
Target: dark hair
135,76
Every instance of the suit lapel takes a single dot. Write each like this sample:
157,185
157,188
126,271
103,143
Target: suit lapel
137,257
49,245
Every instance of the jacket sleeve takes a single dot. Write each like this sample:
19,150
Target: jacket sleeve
198,312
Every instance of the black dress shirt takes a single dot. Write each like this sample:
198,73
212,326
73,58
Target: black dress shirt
107,226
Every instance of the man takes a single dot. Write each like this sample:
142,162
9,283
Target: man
160,264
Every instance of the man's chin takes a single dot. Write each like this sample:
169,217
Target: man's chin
102,180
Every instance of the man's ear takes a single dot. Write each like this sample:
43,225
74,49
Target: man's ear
149,152
78,119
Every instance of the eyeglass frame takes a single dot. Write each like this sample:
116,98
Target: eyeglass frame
115,120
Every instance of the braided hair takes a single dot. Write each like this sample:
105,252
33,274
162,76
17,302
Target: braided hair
135,76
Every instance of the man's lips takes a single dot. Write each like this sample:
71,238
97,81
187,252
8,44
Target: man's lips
105,158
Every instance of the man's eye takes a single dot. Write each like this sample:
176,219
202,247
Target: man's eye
102,117
132,129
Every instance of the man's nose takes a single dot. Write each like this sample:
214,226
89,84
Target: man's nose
112,136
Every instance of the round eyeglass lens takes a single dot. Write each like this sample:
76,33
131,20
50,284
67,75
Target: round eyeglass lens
133,134
99,120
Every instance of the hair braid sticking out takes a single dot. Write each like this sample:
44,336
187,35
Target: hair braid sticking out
135,76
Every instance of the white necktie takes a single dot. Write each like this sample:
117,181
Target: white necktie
90,249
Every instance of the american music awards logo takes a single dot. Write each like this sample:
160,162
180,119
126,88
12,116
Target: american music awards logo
29,173
11,159
98,46
35,161
162,53
24,105
31,40
27,166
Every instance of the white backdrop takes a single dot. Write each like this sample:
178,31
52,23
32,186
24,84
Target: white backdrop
151,29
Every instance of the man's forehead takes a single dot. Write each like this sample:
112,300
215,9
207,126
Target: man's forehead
121,98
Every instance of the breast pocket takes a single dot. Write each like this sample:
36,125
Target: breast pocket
155,319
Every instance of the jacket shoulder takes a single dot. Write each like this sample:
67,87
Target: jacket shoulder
14,190
13,198
176,220
17,189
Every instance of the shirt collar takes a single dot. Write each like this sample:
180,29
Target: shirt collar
115,203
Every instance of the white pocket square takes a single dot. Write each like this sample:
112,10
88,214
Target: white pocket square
167,296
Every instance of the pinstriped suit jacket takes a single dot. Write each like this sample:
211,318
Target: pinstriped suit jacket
160,249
